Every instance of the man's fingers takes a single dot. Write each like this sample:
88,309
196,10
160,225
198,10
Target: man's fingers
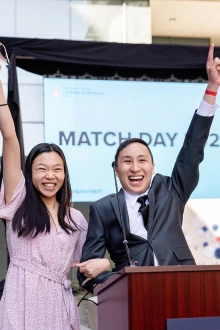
83,270
88,274
210,54
74,264
81,264
216,61
215,64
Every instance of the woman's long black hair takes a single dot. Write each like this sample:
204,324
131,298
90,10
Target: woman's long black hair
32,217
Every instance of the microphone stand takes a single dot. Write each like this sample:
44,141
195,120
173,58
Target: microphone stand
125,242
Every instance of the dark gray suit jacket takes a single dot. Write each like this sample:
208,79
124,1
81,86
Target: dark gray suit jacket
167,198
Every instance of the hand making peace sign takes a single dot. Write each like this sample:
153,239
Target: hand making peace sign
213,69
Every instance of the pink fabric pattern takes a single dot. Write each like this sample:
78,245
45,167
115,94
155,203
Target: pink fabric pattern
37,294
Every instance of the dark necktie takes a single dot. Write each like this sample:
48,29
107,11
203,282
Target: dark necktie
144,209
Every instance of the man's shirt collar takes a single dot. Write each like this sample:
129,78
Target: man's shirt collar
131,199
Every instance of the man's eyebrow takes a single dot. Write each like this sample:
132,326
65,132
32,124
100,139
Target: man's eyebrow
127,156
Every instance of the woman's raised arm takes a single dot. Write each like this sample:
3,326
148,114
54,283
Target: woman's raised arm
11,149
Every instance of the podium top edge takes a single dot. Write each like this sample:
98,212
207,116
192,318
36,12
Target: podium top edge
158,269
155,269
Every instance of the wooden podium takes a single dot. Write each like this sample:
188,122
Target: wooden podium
143,298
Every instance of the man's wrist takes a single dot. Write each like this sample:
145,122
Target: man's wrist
212,87
210,92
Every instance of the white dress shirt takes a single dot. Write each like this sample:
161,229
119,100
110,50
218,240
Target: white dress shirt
135,218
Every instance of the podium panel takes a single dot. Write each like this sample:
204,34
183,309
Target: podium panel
144,298
200,323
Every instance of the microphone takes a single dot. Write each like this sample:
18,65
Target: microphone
4,60
125,242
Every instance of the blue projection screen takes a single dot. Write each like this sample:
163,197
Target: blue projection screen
89,118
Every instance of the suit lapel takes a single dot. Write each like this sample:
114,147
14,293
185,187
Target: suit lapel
123,207
151,198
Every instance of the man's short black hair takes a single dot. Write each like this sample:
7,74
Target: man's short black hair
129,141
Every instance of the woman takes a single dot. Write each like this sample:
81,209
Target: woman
44,235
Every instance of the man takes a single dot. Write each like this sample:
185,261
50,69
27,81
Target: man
153,226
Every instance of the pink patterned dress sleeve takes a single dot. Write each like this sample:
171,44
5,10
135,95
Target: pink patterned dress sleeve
7,211
82,223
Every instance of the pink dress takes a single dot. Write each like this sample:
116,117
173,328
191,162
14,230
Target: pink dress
37,294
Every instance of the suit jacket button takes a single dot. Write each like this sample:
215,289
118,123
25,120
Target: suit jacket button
150,241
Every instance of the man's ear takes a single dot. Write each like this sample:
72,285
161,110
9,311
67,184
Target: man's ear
153,170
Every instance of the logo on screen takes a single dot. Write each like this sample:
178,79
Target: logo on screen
56,92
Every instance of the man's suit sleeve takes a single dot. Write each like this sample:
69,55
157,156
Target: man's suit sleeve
94,247
185,175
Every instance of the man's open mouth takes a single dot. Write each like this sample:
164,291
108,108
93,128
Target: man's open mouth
137,178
